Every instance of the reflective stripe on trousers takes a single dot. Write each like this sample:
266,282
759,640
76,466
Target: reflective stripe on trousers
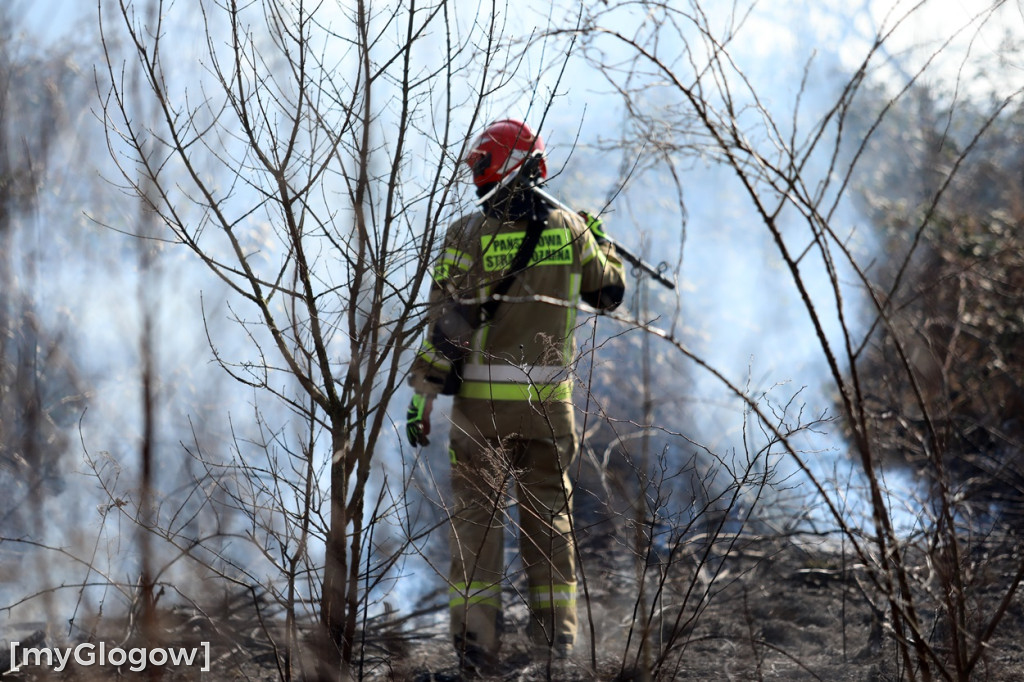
553,596
461,594
482,473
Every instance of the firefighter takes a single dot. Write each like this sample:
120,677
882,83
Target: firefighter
507,359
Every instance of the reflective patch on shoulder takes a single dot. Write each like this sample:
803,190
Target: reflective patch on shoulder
451,259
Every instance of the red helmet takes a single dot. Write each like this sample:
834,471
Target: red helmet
500,149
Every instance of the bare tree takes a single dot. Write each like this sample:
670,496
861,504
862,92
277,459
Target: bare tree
796,177
41,386
306,158
954,312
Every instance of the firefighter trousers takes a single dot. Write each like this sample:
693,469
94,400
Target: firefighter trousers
483,470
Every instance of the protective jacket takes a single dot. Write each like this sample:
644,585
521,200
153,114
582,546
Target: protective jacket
516,376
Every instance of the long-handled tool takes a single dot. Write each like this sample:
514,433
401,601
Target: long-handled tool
526,176
657,272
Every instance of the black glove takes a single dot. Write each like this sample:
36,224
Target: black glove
417,420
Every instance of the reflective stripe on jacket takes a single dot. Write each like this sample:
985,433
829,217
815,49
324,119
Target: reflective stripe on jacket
516,378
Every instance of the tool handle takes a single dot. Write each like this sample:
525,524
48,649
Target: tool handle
656,272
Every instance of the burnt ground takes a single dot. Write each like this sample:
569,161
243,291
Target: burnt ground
776,609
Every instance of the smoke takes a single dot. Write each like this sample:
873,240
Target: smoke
736,306
77,289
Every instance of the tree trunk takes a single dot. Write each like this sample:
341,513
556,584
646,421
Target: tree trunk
336,646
